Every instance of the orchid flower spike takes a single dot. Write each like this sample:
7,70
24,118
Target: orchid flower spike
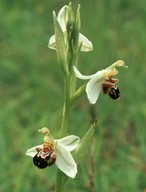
102,81
63,18
55,151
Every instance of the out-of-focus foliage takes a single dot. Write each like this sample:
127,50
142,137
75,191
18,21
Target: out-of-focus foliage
31,95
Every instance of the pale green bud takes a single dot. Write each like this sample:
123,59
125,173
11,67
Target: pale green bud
72,32
60,45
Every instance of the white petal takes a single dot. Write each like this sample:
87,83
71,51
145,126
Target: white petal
65,161
52,43
80,76
32,151
63,17
70,142
86,44
93,89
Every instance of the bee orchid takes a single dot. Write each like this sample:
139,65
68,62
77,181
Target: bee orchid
55,151
101,81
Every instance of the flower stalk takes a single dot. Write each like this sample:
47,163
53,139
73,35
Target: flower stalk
66,107
59,187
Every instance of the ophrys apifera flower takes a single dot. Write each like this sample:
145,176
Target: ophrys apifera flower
55,151
102,81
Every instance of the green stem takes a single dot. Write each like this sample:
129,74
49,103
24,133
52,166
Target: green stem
59,181
64,128
69,89
66,107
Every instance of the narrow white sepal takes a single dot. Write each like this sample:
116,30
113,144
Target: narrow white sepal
80,76
94,86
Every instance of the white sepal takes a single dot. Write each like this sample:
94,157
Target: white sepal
70,142
32,151
65,161
86,44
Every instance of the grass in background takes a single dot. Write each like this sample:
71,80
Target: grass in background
31,95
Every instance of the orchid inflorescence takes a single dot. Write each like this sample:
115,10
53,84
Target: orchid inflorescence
66,152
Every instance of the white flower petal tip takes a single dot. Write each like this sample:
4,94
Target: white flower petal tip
54,14
80,76
86,44
52,43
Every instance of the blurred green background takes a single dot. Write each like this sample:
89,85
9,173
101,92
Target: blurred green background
31,95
